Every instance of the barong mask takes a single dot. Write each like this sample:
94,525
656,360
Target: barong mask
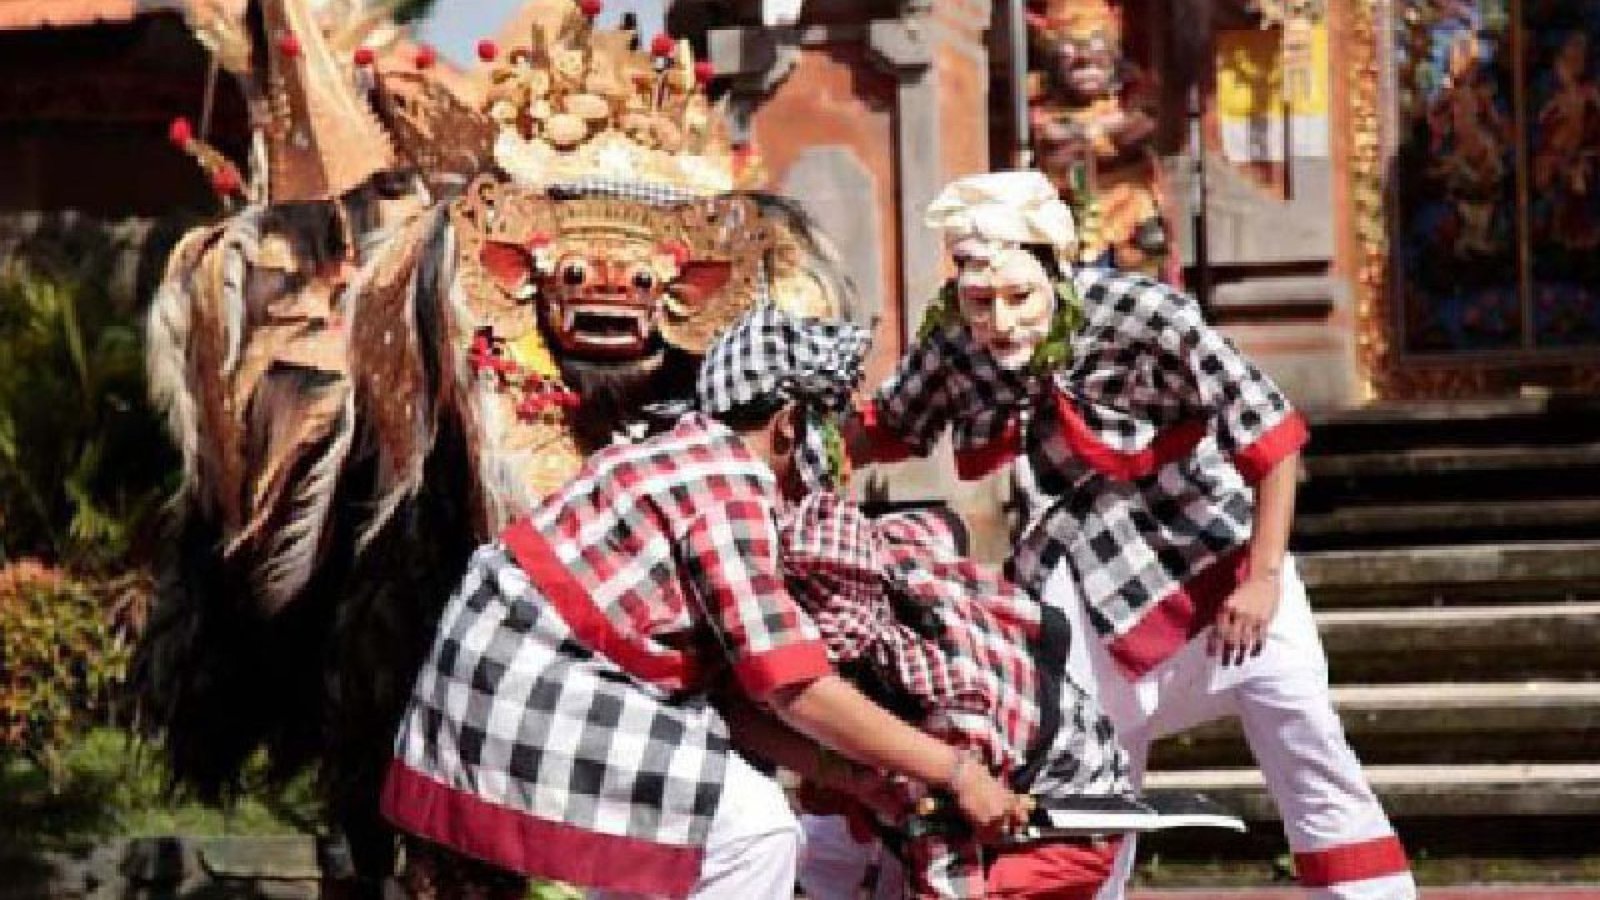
612,279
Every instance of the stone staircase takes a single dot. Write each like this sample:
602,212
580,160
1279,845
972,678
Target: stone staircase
1453,558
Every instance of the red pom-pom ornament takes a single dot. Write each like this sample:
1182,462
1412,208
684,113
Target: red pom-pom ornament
663,45
704,72
180,133
289,46
590,8
364,56
487,50
426,57
225,181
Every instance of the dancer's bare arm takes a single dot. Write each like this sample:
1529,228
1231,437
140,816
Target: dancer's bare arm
830,710
1241,629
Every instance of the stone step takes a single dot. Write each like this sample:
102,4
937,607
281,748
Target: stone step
1532,571
1452,521
1403,426
1436,724
1503,789
1464,643
1425,461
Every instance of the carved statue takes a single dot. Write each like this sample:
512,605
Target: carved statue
1092,133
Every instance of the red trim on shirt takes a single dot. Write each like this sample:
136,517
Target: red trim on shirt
534,846
762,674
1179,616
1366,860
976,462
1284,438
883,444
1173,443
587,621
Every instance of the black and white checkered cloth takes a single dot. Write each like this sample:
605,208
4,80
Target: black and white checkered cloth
772,353
1139,453
514,710
651,193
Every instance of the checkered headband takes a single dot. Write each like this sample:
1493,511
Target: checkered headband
815,363
771,353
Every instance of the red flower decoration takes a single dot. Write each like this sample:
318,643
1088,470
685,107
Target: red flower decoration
180,133
590,8
426,57
677,250
289,45
662,45
487,51
704,72
364,56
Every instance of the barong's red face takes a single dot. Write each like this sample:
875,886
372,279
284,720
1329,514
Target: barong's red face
1006,298
602,299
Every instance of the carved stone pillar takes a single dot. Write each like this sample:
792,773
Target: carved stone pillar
862,118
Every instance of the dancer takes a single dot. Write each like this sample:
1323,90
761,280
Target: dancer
1160,466
967,657
562,725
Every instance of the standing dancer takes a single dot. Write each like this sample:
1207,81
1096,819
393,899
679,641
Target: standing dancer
1161,466
562,725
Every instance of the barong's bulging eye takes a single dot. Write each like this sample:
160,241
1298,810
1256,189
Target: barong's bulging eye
574,274
644,281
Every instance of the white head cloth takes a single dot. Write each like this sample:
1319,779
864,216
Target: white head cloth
1020,207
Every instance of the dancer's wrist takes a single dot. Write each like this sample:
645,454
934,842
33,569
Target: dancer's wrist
959,767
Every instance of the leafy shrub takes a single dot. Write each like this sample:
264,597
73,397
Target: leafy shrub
64,649
84,464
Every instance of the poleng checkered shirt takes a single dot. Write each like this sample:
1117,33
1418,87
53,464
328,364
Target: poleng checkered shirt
1141,451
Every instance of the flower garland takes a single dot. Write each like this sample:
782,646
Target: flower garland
541,395
1369,210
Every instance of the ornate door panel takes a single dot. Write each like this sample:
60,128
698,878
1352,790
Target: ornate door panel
1561,40
1492,115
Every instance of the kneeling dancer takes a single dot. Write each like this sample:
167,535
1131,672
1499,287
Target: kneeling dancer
563,727
970,658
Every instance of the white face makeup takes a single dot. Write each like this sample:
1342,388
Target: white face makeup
1006,299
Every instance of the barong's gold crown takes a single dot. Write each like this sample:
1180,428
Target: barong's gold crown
580,103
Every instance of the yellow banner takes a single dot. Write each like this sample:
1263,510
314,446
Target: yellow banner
1251,69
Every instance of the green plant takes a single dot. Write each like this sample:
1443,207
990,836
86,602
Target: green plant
83,462
108,785
64,650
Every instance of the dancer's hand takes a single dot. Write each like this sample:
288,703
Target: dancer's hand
993,810
1240,631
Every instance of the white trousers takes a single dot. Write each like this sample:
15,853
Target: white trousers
1344,846
835,866
1343,843
753,848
